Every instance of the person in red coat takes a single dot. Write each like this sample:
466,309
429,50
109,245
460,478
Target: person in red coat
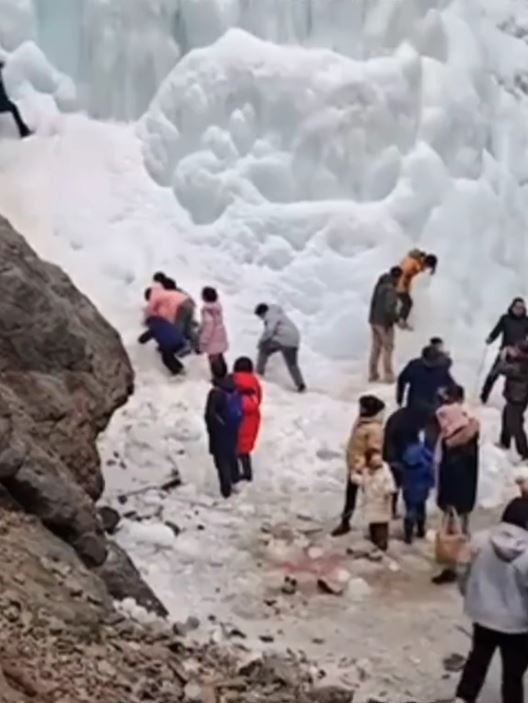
250,389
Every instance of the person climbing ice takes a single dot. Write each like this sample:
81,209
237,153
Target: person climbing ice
382,319
7,105
169,338
280,335
414,263
512,328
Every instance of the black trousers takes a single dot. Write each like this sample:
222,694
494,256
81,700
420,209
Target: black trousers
490,381
379,535
291,358
514,655
171,361
247,468
513,427
215,359
406,305
226,463
350,501
185,322
23,129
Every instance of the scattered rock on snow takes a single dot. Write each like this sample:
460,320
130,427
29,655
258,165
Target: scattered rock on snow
454,663
330,694
289,587
334,583
110,518
174,527
123,581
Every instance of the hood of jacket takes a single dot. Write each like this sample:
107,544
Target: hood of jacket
509,541
510,312
373,419
438,362
214,309
385,280
246,381
226,384
273,311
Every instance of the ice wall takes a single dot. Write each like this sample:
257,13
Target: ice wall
321,138
119,51
323,168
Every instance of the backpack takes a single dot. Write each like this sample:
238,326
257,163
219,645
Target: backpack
234,412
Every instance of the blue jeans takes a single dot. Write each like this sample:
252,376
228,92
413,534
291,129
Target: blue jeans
415,512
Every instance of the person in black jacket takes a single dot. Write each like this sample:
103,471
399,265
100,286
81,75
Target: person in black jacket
421,380
512,328
6,105
223,415
400,425
382,319
514,365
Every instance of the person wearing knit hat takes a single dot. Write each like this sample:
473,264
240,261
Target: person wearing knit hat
366,437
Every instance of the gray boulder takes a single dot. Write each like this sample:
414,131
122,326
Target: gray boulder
63,372
123,580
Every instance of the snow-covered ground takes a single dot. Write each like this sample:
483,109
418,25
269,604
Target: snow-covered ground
292,166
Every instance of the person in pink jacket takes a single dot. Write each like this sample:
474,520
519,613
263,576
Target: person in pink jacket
165,303
213,335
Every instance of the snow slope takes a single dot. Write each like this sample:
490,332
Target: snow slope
275,172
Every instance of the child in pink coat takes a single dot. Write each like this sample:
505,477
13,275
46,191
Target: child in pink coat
213,335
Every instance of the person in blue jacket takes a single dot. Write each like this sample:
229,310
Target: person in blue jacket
419,384
169,338
417,482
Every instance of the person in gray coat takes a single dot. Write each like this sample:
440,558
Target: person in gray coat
280,335
383,316
495,585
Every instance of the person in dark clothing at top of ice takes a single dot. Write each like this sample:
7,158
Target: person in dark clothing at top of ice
7,105
512,328
223,417
420,382
169,338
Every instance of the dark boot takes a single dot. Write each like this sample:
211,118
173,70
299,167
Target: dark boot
408,531
420,529
445,576
342,529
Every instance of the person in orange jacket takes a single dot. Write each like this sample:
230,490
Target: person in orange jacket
414,263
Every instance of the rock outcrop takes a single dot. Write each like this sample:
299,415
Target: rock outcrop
63,372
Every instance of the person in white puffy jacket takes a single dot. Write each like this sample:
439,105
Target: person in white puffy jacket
280,335
495,586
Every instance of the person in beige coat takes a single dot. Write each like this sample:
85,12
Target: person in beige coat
366,436
378,487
